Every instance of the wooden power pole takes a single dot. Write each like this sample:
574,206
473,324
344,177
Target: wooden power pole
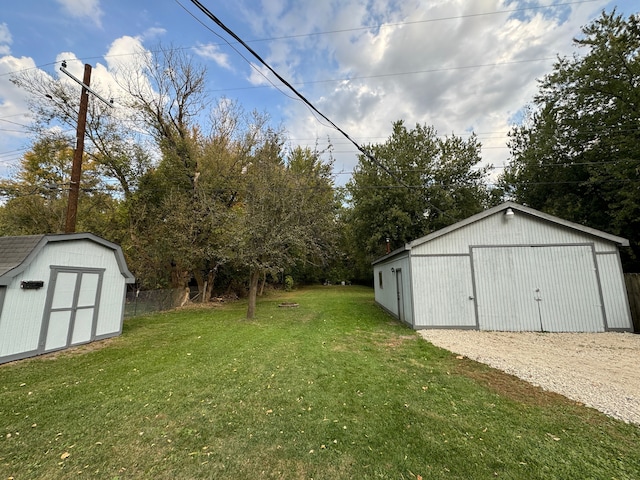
76,169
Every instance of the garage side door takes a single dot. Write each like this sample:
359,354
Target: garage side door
551,289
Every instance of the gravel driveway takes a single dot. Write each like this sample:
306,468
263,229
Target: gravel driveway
601,370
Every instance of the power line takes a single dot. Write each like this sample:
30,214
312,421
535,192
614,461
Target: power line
427,20
397,74
218,22
332,32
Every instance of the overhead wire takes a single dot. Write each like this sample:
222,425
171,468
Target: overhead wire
344,30
310,105
286,83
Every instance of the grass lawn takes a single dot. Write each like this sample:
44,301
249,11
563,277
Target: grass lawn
332,389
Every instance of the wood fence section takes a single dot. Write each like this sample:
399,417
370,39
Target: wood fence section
632,281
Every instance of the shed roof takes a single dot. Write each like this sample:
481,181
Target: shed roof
16,253
622,242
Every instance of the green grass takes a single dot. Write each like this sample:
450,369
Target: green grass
332,389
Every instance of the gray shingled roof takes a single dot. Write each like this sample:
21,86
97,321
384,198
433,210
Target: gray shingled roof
15,250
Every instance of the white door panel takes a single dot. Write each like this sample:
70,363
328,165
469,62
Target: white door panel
553,289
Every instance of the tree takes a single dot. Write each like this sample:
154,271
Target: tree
427,183
216,190
167,91
171,214
314,196
577,154
37,197
285,212
117,149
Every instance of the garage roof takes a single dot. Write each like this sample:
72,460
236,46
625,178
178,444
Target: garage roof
622,242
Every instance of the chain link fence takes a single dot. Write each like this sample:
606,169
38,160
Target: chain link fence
141,302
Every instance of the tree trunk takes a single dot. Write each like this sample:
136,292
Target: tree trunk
180,283
264,280
211,276
201,282
253,292
205,284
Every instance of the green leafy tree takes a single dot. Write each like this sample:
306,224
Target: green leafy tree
284,213
427,183
314,196
116,148
37,195
577,155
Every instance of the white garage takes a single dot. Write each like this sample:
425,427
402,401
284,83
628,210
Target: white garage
57,291
509,268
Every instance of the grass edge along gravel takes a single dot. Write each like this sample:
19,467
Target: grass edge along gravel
334,388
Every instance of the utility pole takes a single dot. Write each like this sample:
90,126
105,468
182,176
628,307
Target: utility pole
76,168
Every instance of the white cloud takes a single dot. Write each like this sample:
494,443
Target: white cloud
14,116
83,9
14,102
212,52
153,33
123,51
454,64
5,39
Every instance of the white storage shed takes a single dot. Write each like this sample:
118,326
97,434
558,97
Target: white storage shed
509,268
57,291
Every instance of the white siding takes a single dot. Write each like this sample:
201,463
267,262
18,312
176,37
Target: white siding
614,292
20,324
443,291
497,229
22,311
387,295
111,303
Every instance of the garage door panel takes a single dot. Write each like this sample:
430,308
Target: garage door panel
571,296
444,291
552,289
500,288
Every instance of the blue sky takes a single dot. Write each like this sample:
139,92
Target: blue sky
458,65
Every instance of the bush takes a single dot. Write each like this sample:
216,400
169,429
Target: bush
288,283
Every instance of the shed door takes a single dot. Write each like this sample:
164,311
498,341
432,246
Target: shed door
550,288
72,307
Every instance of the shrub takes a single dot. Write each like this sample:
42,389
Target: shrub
288,283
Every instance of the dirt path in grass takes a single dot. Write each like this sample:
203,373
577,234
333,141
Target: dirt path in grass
601,370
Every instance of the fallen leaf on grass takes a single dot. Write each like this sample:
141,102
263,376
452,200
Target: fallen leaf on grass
65,455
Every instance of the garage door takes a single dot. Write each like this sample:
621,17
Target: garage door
549,288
